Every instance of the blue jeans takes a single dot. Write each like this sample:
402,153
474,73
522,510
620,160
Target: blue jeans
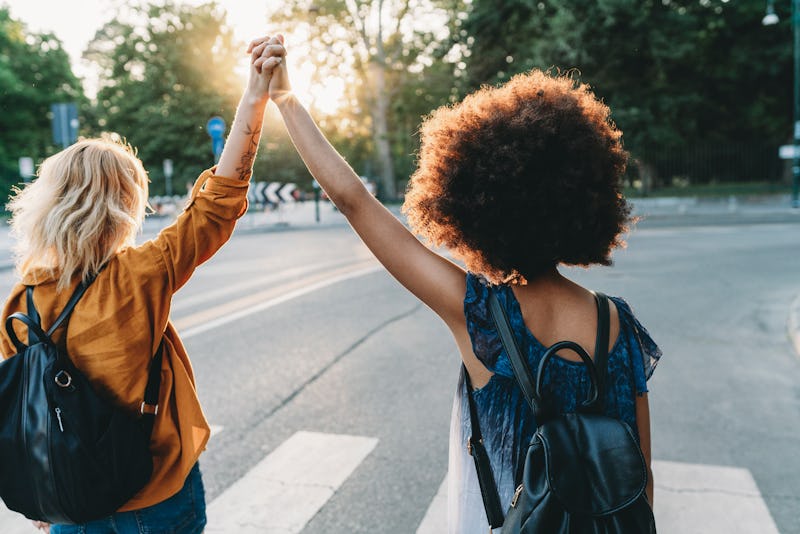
183,513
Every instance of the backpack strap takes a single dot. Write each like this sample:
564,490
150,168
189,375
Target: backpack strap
149,407
33,330
601,348
483,467
34,322
33,313
73,300
522,371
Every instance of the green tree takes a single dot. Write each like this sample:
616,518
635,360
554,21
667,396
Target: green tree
676,73
34,73
163,73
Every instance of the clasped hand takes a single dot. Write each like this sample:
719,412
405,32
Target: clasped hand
268,63
266,60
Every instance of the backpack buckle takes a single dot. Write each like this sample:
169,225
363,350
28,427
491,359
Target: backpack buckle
148,409
63,379
515,499
469,444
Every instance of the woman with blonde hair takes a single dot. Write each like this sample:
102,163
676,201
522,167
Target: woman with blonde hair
77,223
515,181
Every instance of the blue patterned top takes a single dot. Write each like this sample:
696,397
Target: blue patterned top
505,418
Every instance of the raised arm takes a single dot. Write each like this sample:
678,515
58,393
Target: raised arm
219,198
240,149
436,281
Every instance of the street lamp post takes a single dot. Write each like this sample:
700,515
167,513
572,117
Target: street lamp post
769,19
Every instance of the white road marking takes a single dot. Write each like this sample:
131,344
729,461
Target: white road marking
435,520
181,302
690,499
284,491
234,310
709,499
215,429
287,488
14,523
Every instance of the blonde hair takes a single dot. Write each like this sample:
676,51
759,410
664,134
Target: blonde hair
86,205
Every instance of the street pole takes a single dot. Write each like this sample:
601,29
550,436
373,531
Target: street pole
796,160
770,19
168,176
316,186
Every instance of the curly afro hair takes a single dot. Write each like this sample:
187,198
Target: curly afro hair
520,178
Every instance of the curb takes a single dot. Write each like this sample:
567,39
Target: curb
794,324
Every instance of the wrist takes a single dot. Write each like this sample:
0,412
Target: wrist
253,99
284,100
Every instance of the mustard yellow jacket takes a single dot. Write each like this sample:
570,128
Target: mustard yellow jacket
117,326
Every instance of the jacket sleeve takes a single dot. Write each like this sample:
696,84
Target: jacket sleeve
164,264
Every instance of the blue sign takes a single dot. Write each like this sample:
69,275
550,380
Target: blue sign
216,127
65,123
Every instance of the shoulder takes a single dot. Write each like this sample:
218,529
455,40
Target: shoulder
138,263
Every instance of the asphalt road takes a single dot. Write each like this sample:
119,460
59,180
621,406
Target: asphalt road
301,331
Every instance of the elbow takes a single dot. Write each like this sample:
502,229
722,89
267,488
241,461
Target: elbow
350,200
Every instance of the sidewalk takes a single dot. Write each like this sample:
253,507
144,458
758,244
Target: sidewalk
749,205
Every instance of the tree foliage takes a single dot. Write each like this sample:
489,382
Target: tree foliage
388,51
676,73
164,72
34,73
679,75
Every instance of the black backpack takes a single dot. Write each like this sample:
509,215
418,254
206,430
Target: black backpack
584,472
67,455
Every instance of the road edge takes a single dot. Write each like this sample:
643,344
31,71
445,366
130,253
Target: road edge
794,324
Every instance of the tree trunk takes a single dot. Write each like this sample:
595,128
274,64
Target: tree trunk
380,130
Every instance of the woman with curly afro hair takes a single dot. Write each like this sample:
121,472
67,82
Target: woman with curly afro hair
514,181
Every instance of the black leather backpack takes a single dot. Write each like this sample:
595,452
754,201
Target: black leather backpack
584,472
67,455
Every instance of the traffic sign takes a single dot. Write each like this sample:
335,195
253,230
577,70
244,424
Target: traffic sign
787,151
216,127
286,193
271,193
26,168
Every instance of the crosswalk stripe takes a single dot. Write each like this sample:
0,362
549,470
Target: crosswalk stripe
435,520
14,523
689,498
288,487
284,491
709,499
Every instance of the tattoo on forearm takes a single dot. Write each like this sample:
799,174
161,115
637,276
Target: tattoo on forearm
245,167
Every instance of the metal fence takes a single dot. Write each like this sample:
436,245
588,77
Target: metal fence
701,164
